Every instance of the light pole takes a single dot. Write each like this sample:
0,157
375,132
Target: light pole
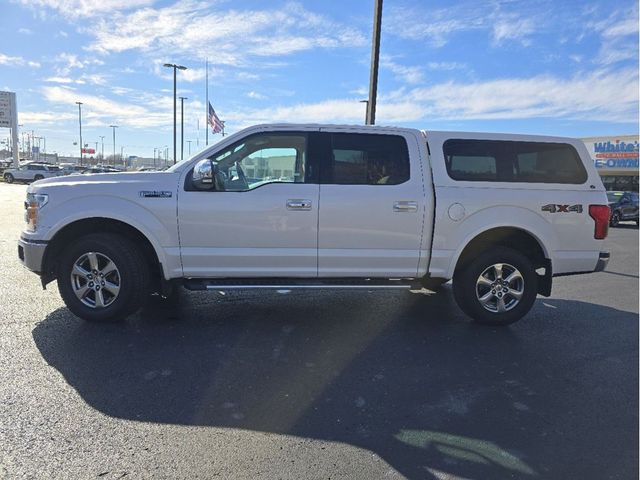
102,140
114,143
175,67
154,157
182,99
189,142
80,124
20,125
366,111
375,56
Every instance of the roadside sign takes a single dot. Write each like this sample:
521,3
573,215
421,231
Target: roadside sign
6,110
9,119
89,150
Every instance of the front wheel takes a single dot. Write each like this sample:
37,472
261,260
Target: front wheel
103,277
498,287
8,178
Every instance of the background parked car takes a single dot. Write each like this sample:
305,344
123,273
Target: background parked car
31,172
624,206
100,169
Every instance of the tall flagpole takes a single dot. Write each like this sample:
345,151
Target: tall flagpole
206,106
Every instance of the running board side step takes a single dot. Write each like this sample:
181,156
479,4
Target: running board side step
299,283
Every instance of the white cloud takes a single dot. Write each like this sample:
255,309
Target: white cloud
42,118
84,8
17,61
601,95
510,27
433,26
256,95
189,29
64,80
437,26
101,111
412,75
619,36
446,65
25,31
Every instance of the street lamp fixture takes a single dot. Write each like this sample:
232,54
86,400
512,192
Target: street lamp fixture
175,67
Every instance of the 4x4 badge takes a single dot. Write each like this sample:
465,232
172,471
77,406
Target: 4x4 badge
555,208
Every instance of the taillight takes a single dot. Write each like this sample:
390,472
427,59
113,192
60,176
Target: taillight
600,213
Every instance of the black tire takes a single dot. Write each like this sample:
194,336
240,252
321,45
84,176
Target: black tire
465,286
614,220
133,276
8,178
37,177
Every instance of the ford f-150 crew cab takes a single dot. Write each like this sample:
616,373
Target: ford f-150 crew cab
324,206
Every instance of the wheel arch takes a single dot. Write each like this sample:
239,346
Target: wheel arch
516,238
84,226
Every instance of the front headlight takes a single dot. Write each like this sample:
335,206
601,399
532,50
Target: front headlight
34,202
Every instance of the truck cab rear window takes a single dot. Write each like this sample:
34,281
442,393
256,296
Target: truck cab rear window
509,161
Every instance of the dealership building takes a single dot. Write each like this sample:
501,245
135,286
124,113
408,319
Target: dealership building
616,159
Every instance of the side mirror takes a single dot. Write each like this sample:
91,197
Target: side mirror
204,175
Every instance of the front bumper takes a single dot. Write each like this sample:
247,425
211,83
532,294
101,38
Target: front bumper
603,260
31,253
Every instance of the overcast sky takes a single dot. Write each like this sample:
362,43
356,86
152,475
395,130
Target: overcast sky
550,67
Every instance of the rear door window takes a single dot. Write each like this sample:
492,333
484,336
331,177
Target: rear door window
365,159
512,161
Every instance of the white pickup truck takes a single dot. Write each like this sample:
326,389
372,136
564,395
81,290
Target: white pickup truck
325,206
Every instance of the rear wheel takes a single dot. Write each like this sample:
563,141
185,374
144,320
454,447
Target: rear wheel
8,178
103,278
497,288
37,177
615,219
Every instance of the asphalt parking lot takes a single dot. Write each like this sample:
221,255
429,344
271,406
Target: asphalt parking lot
322,385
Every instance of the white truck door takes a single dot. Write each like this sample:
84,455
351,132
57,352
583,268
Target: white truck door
264,222
372,205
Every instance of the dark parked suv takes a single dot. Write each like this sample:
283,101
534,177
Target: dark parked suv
624,206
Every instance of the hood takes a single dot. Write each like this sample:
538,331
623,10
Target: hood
95,179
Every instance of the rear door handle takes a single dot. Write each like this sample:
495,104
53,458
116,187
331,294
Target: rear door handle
410,207
297,204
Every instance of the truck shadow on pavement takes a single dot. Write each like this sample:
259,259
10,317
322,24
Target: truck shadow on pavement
405,376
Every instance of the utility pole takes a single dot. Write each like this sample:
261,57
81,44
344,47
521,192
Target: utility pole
114,143
375,57
182,99
102,152
175,67
80,123
122,156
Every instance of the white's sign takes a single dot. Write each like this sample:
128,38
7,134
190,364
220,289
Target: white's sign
7,99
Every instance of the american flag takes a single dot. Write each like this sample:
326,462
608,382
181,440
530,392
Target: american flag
217,125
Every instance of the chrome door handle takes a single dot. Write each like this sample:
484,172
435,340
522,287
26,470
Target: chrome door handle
298,204
405,207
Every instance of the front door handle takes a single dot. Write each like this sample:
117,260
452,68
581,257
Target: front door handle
297,204
405,207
